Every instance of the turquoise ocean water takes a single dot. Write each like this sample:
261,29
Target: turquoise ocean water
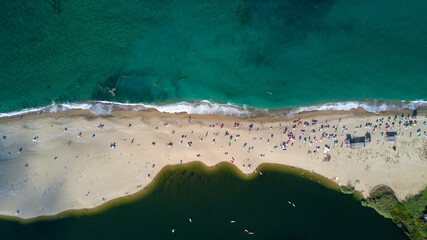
234,51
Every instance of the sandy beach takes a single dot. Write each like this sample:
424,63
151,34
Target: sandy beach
50,163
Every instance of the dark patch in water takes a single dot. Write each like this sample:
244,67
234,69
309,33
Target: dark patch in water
56,5
134,87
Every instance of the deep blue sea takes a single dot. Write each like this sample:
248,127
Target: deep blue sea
251,53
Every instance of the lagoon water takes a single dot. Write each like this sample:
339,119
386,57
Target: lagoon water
237,51
212,198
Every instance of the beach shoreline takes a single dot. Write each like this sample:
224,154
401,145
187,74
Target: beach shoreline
147,190
59,169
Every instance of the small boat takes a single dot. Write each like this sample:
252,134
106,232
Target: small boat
232,221
173,230
190,220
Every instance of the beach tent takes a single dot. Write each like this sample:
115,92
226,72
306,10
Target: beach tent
358,142
390,137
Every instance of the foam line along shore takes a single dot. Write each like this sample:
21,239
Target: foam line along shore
224,109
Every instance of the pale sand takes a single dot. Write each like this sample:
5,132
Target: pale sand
86,164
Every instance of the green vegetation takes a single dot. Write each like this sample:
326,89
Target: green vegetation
382,199
408,214
347,189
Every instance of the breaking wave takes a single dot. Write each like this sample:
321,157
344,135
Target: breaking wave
373,107
106,107
207,107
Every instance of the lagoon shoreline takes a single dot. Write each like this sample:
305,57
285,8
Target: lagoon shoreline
58,170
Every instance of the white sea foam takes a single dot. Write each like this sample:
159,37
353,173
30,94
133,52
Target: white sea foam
203,107
374,106
20,112
106,107
49,109
101,109
207,107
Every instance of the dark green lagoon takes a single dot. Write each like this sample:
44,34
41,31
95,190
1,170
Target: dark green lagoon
212,198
